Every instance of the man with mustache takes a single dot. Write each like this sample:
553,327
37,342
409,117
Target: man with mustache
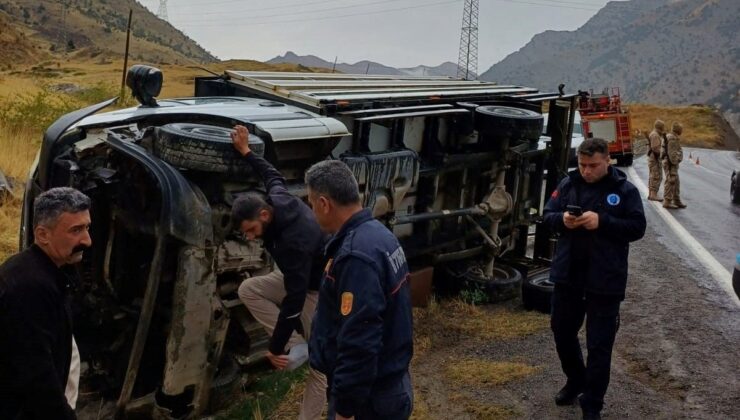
39,362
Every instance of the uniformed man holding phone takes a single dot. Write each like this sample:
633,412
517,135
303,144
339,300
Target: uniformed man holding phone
597,212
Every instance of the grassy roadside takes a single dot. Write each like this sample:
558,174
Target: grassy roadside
273,395
702,126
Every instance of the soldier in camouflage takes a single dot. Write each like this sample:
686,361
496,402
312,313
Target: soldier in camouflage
656,172
672,157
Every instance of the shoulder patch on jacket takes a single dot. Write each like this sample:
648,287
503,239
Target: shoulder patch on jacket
554,194
347,299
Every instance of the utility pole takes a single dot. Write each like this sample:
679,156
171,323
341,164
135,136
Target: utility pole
467,59
125,56
64,28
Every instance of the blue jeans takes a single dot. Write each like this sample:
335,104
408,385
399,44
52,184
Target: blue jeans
392,401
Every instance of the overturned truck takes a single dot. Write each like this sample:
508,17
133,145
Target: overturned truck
458,170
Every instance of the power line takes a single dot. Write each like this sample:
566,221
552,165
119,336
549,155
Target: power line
231,13
329,17
248,21
261,9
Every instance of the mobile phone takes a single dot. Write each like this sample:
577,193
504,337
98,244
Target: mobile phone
574,210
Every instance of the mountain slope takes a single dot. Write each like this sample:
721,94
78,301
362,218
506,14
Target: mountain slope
92,28
657,51
366,67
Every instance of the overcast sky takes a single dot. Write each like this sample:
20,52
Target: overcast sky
398,33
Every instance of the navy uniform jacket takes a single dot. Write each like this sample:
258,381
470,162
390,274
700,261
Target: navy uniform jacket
294,240
35,337
362,330
603,251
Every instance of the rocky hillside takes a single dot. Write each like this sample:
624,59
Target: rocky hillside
366,67
91,28
657,51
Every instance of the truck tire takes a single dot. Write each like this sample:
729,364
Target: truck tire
735,188
505,122
504,285
226,383
537,292
202,147
625,160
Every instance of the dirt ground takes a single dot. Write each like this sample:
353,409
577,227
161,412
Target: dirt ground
676,355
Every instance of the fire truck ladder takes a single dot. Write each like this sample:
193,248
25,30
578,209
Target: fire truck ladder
624,129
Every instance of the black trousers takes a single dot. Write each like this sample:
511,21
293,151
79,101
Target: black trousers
569,308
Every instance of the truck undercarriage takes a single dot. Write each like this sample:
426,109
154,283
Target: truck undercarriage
455,169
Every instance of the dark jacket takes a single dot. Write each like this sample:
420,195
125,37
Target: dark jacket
35,338
294,240
603,252
362,330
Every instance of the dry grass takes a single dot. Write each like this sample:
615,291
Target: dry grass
10,219
699,122
455,317
17,151
442,325
481,411
486,373
421,410
290,406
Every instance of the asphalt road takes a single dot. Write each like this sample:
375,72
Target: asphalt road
710,217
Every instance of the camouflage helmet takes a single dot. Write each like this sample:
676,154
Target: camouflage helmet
659,125
677,128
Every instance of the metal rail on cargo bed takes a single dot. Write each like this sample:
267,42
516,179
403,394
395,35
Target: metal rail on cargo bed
330,92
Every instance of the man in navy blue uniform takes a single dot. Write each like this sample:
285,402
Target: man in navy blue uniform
597,213
362,330
284,300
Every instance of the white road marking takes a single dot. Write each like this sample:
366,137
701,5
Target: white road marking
721,275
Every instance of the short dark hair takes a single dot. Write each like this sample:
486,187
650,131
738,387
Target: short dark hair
334,179
51,204
247,206
593,145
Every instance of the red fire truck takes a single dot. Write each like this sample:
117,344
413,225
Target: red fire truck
602,115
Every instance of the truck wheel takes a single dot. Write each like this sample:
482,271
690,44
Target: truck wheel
625,160
504,285
735,188
226,383
202,147
537,292
505,122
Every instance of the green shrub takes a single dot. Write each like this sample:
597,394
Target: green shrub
34,111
